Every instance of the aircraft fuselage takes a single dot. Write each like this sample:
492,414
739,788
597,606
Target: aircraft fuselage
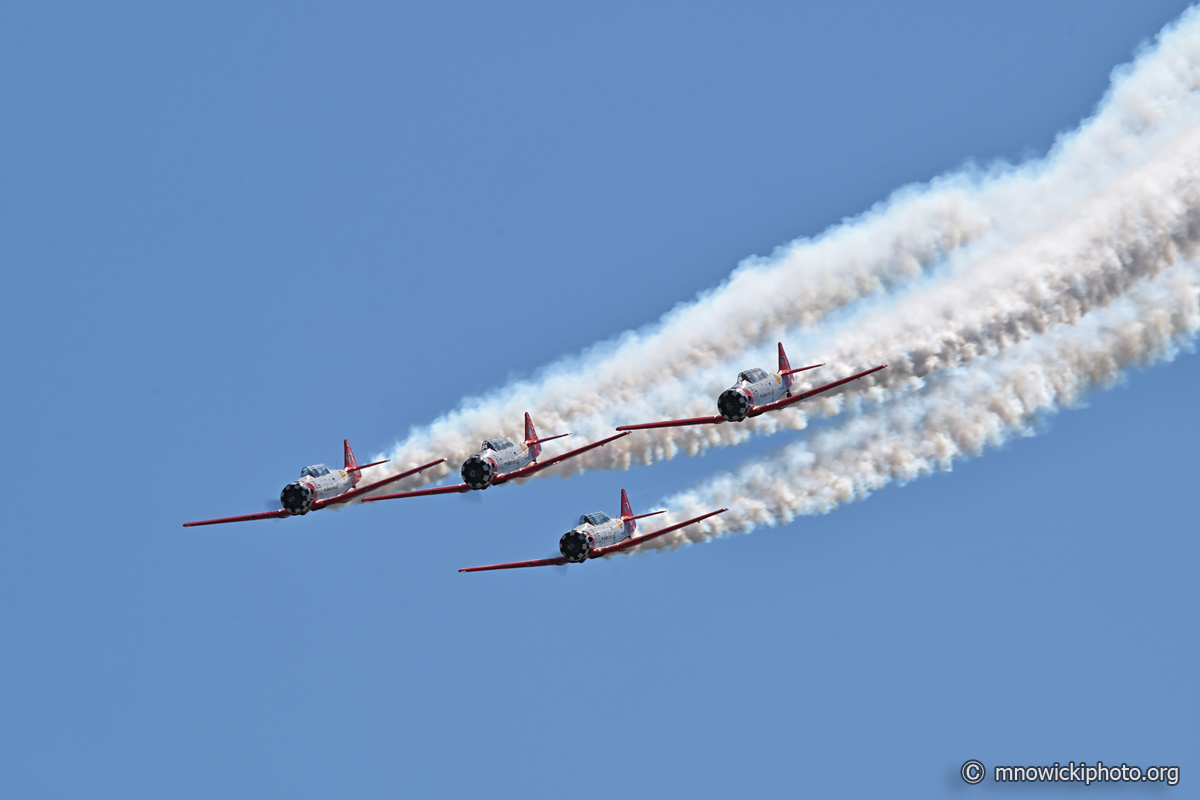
495,457
754,388
317,482
593,531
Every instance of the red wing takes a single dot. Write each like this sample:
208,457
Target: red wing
280,514
634,542
529,469
674,423
796,398
458,487
541,562
353,493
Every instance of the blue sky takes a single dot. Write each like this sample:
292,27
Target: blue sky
233,235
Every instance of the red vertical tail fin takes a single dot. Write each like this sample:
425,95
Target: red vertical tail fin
784,366
351,462
629,518
627,514
531,437
532,441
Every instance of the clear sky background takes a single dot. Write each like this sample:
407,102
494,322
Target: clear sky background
234,234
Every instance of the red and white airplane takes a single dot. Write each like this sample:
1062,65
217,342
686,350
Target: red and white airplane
500,461
597,535
319,487
756,393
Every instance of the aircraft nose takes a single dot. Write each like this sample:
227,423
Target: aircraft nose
733,405
296,498
575,546
477,472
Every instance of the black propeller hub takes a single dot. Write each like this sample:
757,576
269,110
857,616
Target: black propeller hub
297,498
478,472
575,546
733,405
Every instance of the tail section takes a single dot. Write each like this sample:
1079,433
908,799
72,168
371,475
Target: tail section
629,518
784,367
786,372
627,514
531,437
352,466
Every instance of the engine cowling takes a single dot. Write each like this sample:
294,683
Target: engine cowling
576,546
478,472
733,405
297,498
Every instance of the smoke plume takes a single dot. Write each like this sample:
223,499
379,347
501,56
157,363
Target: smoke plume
994,295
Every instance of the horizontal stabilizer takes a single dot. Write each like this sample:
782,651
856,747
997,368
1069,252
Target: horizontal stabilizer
800,369
643,516
547,439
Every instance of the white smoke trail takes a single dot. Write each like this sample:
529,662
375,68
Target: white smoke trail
1142,225
967,410
965,268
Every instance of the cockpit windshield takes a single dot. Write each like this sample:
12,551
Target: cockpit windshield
752,375
598,518
495,444
315,471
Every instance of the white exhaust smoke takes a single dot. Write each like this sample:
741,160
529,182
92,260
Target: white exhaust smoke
986,281
967,409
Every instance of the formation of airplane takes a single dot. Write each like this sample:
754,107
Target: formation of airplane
597,535
320,487
502,460
755,393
